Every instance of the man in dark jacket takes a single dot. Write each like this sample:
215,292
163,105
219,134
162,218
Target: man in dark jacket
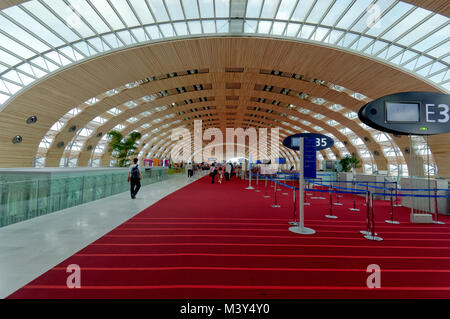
134,176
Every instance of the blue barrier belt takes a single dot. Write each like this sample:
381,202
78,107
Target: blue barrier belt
415,195
361,192
407,189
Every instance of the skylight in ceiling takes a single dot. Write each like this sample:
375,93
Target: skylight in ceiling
42,36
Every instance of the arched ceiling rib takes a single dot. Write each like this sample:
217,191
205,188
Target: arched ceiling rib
150,137
439,6
247,79
57,95
65,136
40,37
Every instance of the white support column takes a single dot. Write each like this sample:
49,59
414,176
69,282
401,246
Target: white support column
301,229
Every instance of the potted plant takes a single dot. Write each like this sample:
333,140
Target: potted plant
349,163
121,149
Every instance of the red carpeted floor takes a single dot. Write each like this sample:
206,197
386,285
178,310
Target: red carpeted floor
223,241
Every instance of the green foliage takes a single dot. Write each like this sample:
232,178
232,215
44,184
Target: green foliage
349,162
121,149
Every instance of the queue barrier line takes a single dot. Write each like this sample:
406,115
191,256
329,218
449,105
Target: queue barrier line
363,192
316,190
414,195
339,187
408,189
369,233
336,181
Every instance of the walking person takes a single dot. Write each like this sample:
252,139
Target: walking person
134,177
228,169
221,171
190,169
212,172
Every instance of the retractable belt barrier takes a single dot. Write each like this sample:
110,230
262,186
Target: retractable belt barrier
369,233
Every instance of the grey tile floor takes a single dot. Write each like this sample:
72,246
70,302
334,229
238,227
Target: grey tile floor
30,248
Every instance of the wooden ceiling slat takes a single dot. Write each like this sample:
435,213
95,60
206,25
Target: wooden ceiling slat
54,96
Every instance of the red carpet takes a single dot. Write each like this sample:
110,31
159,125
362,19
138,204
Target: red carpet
223,241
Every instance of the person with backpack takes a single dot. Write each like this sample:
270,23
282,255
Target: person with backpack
134,177
212,172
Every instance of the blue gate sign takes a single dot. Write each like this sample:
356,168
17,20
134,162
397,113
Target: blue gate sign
309,158
321,141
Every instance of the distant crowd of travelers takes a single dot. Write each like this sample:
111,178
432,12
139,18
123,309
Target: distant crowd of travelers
220,170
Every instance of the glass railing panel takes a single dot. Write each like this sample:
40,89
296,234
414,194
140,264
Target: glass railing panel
42,192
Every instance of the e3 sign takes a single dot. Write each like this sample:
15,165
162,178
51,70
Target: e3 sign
417,113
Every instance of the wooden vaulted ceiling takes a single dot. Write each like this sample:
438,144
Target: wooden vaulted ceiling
239,89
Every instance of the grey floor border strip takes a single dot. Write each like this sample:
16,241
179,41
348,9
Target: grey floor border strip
32,247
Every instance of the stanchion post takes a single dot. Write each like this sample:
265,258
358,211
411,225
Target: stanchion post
275,205
250,174
294,222
367,192
367,232
330,215
372,206
354,197
257,183
392,221
372,235
265,195
314,190
396,193
436,209
337,198
396,204
301,229
306,196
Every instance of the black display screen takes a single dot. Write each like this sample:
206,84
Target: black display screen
402,112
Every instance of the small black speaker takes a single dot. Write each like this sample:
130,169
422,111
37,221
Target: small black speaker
32,119
17,139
